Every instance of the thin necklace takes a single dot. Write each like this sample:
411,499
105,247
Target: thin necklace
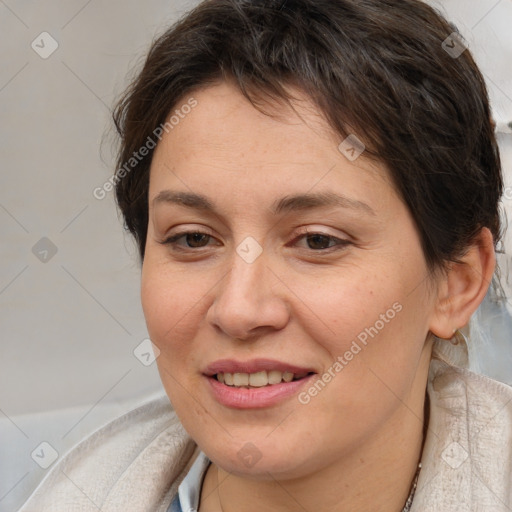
408,503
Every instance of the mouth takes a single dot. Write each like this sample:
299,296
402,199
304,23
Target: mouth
255,384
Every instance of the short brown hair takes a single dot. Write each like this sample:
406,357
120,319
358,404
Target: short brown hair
378,69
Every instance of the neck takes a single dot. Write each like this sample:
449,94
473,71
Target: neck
377,476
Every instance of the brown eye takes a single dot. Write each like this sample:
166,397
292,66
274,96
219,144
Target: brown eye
318,241
193,240
197,239
322,242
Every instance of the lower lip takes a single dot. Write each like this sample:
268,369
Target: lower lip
255,398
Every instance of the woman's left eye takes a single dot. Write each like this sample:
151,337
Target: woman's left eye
321,241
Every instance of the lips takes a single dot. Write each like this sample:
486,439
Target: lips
255,384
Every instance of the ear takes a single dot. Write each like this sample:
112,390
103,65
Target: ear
463,286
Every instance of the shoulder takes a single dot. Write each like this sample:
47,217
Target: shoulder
133,463
484,403
467,457
462,396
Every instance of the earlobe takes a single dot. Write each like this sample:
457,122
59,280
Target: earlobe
463,286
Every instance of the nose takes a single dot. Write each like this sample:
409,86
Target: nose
246,305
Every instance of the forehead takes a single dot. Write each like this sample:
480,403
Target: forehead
224,140
224,120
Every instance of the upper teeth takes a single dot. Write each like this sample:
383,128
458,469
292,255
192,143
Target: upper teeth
258,379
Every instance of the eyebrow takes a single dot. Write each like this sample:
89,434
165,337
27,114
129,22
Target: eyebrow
299,202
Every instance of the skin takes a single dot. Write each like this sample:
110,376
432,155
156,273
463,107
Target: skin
357,443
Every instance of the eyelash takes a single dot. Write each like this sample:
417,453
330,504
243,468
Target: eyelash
340,243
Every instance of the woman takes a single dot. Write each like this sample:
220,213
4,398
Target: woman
314,188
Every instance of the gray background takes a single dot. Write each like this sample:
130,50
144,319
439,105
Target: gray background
70,321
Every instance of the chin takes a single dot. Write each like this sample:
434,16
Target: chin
262,460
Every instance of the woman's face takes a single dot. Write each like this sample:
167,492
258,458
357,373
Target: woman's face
301,259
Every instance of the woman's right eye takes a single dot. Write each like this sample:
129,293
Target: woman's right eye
192,239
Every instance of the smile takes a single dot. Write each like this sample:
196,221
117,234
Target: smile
255,384
258,379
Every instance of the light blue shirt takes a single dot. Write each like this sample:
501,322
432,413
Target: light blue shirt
189,491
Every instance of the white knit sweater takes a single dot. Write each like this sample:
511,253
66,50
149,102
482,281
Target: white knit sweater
136,462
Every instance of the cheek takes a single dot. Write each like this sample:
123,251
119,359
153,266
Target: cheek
372,326
172,309
171,306
344,304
